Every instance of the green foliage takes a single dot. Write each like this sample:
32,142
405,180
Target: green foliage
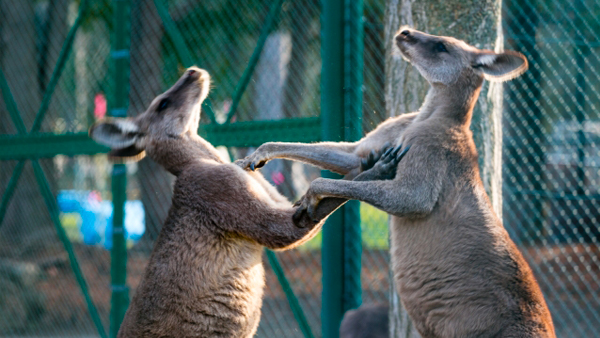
374,226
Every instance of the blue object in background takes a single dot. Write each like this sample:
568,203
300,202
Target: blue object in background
88,219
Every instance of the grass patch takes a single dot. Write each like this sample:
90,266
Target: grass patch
374,229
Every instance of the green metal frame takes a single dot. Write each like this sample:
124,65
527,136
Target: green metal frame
341,114
239,134
40,145
118,104
353,96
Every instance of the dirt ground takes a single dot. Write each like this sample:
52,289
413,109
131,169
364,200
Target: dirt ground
42,298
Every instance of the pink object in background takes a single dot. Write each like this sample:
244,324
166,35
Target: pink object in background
94,196
277,178
99,106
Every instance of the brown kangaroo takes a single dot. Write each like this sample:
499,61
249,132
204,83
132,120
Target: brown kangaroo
456,269
205,277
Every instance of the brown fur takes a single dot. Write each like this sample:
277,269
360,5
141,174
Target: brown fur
205,276
457,271
368,321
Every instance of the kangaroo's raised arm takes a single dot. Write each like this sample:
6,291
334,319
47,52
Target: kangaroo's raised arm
336,157
340,157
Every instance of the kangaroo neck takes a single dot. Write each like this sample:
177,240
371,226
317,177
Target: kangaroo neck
453,102
175,154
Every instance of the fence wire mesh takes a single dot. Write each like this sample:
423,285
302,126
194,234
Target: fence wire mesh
551,154
551,148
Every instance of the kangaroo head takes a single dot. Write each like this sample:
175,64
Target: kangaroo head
172,115
444,60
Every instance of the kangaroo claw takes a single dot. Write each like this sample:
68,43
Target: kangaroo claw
364,163
396,150
401,155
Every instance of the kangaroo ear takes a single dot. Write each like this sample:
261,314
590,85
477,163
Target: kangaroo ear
500,67
129,154
115,133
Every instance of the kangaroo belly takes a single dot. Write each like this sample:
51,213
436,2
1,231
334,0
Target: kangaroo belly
216,300
456,284
232,310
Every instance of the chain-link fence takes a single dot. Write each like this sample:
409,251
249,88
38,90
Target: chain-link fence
551,156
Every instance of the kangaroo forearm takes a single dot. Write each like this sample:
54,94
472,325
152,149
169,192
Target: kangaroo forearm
289,235
276,229
329,204
388,196
302,236
336,157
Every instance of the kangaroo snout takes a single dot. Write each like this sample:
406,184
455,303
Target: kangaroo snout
202,77
405,34
404,39
198,74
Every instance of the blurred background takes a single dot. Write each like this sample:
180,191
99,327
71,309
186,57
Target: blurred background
264,56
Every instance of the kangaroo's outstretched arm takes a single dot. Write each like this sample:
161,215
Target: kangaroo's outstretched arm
342,158
277,230
412,193
336,157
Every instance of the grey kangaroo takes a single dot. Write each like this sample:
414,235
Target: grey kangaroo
205,276
456,269
368,321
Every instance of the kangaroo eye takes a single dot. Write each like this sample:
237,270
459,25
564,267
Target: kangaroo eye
440,48
164,103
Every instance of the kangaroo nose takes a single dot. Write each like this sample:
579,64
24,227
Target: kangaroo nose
193,73
197,73
405,35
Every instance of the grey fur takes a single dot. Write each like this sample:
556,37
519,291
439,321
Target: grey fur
456,269
368,321
205,277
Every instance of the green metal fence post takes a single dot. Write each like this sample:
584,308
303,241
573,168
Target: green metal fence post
353,94
341,104
120,57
